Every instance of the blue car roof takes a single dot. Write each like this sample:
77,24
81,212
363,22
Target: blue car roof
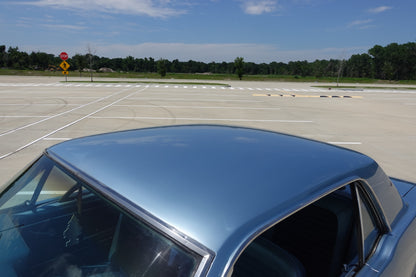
216,184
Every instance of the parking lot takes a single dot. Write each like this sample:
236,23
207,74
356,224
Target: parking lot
36,112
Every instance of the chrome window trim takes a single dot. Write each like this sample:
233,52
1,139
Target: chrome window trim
134,210
357,213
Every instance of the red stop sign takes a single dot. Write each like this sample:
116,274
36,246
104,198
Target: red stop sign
63,56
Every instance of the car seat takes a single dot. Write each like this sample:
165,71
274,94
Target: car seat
264,258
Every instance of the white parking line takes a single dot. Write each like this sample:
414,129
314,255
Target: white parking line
59,114
201,119
345,142
58,139
95,85
193,94
39,104
72,123
21,116
196,107
194,100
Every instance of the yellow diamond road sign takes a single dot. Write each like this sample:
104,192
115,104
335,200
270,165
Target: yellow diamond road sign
64,65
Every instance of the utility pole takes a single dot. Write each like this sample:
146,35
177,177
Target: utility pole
339,71
90,54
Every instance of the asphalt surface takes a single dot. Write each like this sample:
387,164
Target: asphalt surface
37,112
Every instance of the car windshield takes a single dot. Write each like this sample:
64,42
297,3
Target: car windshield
52,224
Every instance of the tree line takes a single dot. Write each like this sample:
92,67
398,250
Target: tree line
392,62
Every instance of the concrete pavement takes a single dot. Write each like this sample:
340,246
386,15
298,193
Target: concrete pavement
36,112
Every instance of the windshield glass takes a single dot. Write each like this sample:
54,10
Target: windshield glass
52,224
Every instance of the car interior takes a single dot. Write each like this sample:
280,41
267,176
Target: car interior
318,240
82,234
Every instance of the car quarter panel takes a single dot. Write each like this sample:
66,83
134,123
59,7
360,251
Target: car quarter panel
400,244
403,186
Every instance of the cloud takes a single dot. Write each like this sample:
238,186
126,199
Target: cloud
380,9
64,27
361,24
152,8
259,7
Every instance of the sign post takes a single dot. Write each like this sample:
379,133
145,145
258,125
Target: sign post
64,65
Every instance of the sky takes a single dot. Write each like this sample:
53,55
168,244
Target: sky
207,30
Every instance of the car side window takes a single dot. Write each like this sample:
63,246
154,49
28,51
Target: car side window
331,237
56,184
370,230
53,224
41,183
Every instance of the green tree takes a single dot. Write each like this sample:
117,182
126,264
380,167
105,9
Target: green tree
129,64
161,67
41,60
80,62
239,66
17,59
2,55
302,68
175,66
378,56
388,70
360,66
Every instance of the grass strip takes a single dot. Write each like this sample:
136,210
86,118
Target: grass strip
206,76
365,87
152,82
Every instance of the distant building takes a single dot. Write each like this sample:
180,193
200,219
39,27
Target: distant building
105,69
